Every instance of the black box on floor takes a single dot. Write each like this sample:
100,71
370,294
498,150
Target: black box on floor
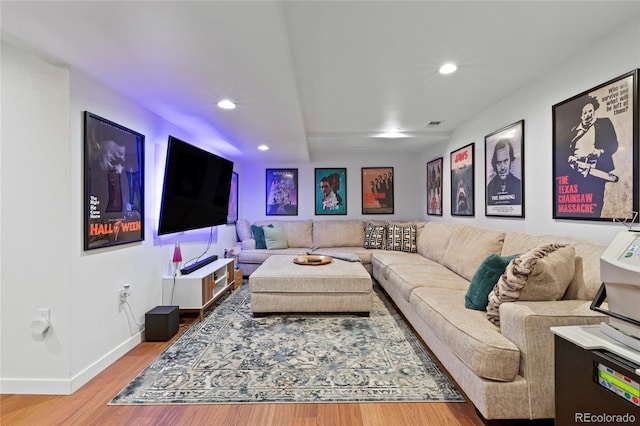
161,323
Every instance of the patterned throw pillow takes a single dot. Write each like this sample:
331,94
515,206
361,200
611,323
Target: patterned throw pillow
402,238
543,273
374,236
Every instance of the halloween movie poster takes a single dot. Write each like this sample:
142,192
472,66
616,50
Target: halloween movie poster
114,184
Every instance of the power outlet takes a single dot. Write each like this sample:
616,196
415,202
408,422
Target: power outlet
45,314
125,292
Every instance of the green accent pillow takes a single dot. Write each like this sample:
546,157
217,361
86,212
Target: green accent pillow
275,237
258,235
484,280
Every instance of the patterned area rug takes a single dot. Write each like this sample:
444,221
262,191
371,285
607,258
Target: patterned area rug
232,357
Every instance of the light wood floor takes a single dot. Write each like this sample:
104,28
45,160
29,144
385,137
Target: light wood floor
88,405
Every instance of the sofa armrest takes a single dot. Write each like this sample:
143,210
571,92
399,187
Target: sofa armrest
249,244
235,250
527,325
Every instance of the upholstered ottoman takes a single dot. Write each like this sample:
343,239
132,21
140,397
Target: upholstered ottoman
280,285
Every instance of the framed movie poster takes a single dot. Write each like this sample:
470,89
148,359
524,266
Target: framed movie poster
232,216
434,187
462,183
282,192
595,152
331,191
377,190
113,183
504,171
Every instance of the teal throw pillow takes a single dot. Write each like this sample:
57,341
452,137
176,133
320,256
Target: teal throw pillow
258,235
275,237
484,280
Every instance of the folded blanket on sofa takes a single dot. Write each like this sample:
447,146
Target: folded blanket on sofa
349,257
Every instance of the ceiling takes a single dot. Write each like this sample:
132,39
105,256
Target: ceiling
312,78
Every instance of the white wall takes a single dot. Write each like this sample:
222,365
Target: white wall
605,60
43,264
35,172
407,186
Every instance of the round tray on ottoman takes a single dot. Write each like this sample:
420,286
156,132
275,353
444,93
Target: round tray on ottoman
312,260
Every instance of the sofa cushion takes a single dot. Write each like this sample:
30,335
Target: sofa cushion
433,240
519,242
374,236
275,237
401,238
408,277
467,333
338,233
256,257
586,279
484,280
248,244
243,230
469,246
298,231
543,273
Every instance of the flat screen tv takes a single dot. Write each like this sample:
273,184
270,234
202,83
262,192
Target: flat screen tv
196,188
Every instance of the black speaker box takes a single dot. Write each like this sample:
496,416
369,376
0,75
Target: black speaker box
161,323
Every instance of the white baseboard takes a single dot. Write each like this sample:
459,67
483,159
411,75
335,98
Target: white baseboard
35,386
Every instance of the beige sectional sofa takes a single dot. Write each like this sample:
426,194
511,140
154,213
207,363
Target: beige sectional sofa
507,371
345,236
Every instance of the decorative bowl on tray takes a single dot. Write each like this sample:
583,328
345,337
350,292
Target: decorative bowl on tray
313,260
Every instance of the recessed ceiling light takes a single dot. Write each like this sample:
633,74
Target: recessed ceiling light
226,104
392,133
448,68
263,148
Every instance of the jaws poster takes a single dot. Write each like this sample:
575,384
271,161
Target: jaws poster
462,185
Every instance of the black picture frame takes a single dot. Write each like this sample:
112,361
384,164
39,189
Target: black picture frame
377,190
333,202
232,215
595,152
434,187
113,209
281,192
504,171
463,181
